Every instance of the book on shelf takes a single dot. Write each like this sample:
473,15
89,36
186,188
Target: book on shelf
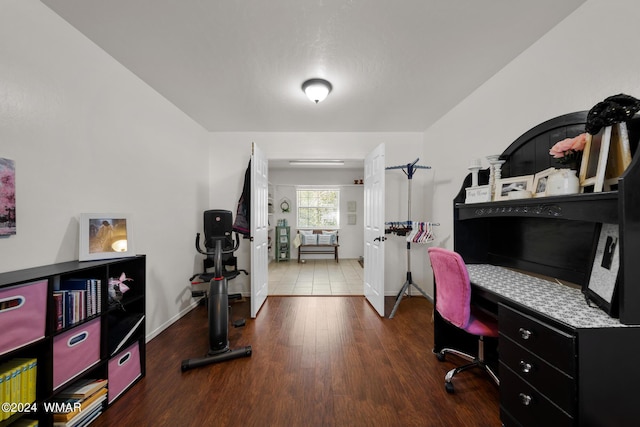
24,422
82,389
85,416
85,405
17,382
76,300
121,328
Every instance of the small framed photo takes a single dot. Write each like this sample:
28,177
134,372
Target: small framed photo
540,182
603,281
351,206
507,185
105,236
351,219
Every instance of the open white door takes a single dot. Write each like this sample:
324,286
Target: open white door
259,229
374,171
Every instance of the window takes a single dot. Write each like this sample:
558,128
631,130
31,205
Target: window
318,208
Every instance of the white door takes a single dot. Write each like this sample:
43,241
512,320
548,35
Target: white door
259,229
374,171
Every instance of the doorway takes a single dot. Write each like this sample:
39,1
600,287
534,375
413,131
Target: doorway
318,275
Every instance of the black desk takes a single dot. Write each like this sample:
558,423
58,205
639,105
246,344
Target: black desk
561,362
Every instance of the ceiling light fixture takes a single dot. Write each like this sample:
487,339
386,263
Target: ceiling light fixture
316,89
316,162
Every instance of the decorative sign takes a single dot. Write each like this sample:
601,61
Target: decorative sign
478,194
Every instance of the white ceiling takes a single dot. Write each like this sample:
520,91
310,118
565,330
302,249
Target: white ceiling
239,65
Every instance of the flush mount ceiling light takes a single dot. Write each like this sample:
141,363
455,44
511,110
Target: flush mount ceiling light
316,162
316,89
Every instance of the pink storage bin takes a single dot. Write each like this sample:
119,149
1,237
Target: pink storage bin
124,369
23,313
75,350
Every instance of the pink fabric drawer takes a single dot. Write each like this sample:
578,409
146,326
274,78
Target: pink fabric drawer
75,350
23,312
124,369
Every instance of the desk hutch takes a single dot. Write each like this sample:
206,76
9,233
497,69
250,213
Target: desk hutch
108,342
560,361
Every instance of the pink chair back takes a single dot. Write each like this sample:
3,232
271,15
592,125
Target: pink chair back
453,289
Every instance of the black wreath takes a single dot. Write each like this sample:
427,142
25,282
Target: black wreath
285,206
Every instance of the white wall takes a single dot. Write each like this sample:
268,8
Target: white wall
231,152
88,136
586,58
351,236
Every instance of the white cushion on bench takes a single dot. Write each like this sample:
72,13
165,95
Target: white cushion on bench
333,234
325,239
309,239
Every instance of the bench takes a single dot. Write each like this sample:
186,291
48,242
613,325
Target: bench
318,248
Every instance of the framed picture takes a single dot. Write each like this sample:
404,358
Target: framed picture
507,185
539,188
7,197
351,219
601,288
351,206
105,235
606,156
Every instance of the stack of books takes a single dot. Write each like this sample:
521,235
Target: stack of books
81,403
17,383
76,300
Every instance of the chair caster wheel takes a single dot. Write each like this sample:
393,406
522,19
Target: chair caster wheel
440,356
448,387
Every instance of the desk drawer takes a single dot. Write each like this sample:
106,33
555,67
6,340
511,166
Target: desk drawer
528,406
559,387
545,341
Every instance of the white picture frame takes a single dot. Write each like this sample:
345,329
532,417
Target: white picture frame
105,236
606,156
539,188
505,185
603,279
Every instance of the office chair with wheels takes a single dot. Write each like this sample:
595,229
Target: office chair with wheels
453,303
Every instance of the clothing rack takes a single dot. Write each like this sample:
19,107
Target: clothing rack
409,170
416,231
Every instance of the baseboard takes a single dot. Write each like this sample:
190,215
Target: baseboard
171,321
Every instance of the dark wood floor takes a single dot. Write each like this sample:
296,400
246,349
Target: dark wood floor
317,361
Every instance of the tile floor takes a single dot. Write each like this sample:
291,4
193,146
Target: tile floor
316,277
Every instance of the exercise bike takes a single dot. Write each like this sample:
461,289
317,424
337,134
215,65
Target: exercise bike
219,247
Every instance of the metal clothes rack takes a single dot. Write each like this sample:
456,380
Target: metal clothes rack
409,169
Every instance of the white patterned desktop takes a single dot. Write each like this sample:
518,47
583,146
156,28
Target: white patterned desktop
560,302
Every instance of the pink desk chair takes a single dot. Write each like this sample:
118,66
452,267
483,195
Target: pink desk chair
453,302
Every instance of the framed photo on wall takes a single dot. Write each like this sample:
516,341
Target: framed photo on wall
105,236
7,197
603,281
